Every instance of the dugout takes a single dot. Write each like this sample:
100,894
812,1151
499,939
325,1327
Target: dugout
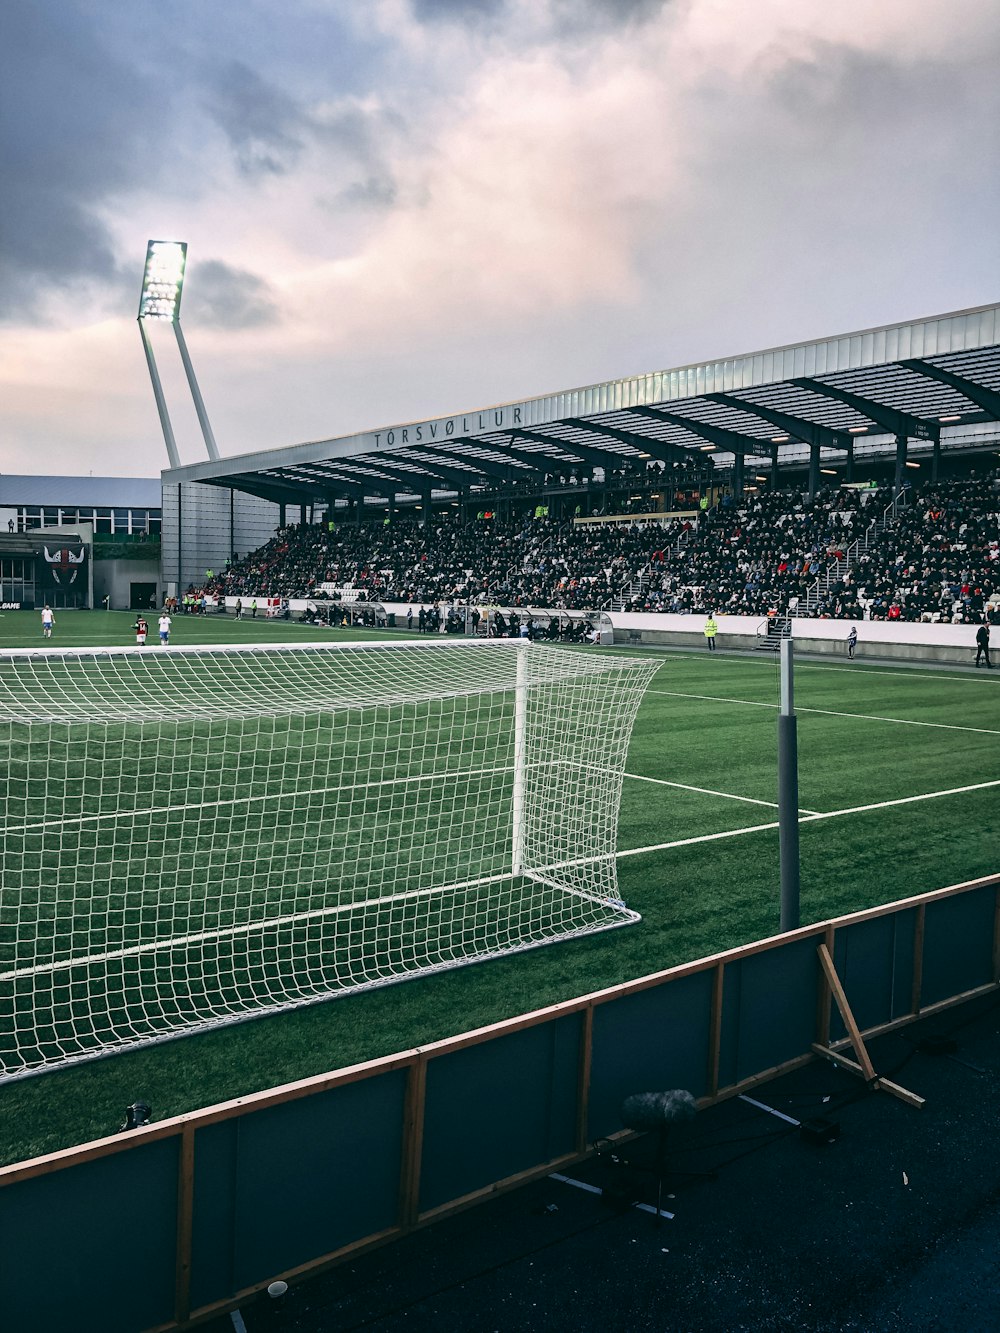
554,624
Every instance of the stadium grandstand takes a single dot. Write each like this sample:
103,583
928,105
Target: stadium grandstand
847,477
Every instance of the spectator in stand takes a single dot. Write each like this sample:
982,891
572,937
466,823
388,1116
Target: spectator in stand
934,556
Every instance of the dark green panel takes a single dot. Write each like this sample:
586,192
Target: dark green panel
769,1010
874,960
92,1248
958,944
652,1041
214,1223
313,1175
498,1108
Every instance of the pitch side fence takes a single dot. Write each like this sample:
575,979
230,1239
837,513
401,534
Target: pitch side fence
168,1225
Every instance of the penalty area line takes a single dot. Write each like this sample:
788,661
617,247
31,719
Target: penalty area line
708,791
830,712
806,819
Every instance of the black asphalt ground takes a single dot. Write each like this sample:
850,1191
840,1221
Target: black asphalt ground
894,1225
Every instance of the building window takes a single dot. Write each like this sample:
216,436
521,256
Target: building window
103,523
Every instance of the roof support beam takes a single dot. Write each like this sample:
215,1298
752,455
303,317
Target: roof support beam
587,453
482,467
717,435
412,482
888,419
301,490
545,463
267,488
809,432
454,476
662,449
986,399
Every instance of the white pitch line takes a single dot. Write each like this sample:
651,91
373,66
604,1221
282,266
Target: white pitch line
830,712
707,791
805,819
915,674
902,800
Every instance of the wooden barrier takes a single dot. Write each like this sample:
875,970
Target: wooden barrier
289,1181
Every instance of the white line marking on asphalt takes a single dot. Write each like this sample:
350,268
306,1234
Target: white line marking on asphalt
771,1110
596,1189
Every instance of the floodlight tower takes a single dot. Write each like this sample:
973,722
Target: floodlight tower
162,285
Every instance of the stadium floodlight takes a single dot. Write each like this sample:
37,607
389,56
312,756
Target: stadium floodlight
160,299
163,280
329,818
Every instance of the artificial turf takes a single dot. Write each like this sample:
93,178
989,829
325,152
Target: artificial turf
706,723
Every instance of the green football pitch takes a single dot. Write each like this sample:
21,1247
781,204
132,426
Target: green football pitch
899,773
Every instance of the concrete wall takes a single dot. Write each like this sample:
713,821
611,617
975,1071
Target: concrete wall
113,578
208,524
876,638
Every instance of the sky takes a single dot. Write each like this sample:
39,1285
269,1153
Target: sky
401,209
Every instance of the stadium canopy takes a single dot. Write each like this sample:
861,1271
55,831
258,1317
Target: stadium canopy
898,391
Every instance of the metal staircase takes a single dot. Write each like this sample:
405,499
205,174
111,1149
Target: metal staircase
836,570
770,633
640,584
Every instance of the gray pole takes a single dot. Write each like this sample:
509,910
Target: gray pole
788,796
199,403
161,402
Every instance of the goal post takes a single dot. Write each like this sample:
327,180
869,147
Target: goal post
197,836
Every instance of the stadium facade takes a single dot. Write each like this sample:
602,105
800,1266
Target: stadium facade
72,541
884,399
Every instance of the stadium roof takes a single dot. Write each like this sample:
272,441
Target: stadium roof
124,492
935,382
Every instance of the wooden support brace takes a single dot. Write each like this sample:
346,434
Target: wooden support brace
886,1085
864,1065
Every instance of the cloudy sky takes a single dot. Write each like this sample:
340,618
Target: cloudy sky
398,209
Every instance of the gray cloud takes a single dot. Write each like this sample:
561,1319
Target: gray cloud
583,18
220,296
264,126
361,138
75,126
432,11
378,192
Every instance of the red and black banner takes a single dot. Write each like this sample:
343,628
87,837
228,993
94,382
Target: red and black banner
61,567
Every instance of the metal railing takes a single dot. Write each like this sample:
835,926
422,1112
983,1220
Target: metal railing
836,570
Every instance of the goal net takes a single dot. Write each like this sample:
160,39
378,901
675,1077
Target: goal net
191,837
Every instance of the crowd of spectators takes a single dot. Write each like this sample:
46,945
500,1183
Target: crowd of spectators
938,561
938,558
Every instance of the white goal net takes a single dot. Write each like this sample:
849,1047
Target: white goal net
195,836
